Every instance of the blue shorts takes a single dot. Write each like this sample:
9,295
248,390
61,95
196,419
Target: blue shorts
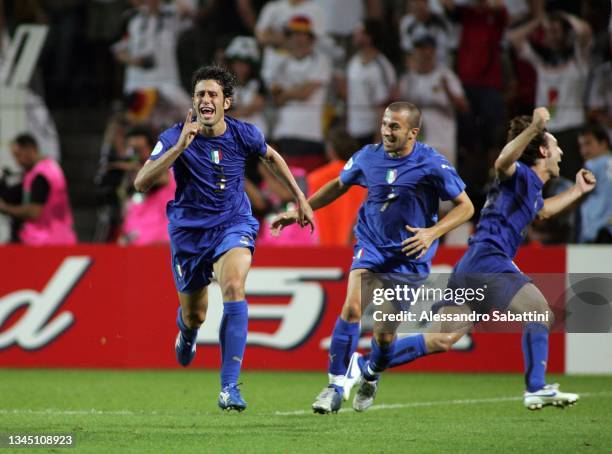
369,257
194,251
485,266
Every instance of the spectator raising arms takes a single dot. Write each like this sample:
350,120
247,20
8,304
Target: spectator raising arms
561,62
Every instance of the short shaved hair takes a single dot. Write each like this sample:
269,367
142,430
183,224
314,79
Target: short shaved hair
414,112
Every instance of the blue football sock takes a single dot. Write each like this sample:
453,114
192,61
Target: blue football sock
232,337
188,334
344,343
407,350
535,353
380,358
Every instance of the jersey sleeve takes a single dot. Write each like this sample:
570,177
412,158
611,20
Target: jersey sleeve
166,140
517,181
446,180
352,173
254,140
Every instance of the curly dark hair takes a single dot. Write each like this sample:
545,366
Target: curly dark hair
532,151
221,75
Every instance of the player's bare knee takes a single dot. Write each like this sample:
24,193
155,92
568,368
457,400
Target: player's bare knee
232,289
384,339
352,311
543,311
194,319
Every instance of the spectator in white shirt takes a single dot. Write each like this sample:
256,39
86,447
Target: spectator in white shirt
371,83
242,55
438,92
149,53
270,29
422,21
298,88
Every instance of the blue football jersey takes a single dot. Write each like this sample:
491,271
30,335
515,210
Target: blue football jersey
209,175
511,205
401,191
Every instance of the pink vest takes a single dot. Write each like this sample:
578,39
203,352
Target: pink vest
54,226
145,218
294,235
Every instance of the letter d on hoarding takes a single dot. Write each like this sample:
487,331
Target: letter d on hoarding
32,331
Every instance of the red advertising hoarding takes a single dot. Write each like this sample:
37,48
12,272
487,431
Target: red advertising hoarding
108,306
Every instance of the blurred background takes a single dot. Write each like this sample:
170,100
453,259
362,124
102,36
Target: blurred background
91,83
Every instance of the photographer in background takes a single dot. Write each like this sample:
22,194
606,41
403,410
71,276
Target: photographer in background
45,210
145,219
11,191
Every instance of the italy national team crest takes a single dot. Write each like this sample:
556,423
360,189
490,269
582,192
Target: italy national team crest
391,175
216,156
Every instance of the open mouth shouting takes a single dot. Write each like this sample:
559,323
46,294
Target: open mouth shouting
207,112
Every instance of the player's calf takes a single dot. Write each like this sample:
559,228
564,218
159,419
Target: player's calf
185,344
351,311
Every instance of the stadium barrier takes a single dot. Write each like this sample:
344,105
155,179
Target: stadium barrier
98,306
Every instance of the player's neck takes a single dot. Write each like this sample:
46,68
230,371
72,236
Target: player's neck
540,170
215,130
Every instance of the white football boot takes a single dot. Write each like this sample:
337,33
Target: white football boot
549,395
353,375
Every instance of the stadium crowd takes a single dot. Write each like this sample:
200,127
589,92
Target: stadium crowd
314,76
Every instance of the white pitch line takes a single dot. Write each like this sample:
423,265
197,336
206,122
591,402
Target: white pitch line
433,403
94,412
55,412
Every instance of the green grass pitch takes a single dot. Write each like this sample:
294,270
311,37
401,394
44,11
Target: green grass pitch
175,411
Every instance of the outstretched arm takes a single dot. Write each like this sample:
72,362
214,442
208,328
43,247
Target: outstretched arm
324,196
518,35
328,193
26,212
580,27
505,164
423,238
278,166
152,171
585,183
